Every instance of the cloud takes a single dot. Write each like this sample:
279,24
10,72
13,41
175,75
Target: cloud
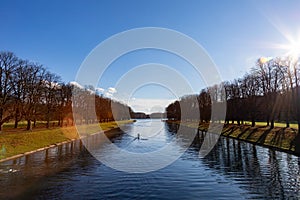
74,83
90,91
265,59
111,90
149,105
107,94
100,90
51,84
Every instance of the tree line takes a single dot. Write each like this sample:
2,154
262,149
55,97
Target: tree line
269,93
31,93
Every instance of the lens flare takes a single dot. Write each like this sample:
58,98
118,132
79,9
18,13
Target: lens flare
294,49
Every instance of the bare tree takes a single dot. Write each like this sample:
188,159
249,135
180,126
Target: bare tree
269,76
19,90
204,101
64,109
251,89
50,98
33,92
8,65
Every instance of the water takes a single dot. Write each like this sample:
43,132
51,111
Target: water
232,170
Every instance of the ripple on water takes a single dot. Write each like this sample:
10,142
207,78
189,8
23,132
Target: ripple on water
232,170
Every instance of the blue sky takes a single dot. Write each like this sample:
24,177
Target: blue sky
60,34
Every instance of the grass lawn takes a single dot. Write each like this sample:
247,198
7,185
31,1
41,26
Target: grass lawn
18,141
279,137
277,124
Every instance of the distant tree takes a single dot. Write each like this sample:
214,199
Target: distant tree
19,90
174,111
250,84
8,65
64,109
293,78
204,106
50,95
269,78
34,81
233,96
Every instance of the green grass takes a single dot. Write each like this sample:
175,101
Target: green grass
14,142
279,137
23,124
277,124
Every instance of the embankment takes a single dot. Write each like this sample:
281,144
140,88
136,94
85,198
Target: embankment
20,143
278,138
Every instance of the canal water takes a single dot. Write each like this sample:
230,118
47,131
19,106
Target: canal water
232,170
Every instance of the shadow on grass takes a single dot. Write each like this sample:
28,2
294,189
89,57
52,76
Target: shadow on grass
229,131
243,132
261,140
296,142
278,137
251,133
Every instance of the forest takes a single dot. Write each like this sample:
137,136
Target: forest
269,93
29,92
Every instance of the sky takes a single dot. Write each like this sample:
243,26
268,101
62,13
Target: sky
61,34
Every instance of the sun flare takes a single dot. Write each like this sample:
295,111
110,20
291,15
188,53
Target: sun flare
294,49
291,48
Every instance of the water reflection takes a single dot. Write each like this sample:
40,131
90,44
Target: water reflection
260,171
232,170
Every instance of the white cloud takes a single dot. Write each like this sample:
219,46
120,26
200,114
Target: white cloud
149,105
111,90
90,91
74,83
51,84
101,90
265,59
107,94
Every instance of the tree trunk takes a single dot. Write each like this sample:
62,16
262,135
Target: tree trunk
297,140
28,125
48,119
16,123
253,123
16,118
287,123
272,124
1,115
288,116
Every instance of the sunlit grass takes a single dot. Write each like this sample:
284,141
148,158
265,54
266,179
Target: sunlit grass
19,141
277,124
279,137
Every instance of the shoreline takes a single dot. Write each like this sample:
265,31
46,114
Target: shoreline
265,146
55,145
279,139
232,131
68,140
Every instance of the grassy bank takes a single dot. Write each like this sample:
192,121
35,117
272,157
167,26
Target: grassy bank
279,138
19,141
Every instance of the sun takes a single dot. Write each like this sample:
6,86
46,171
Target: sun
294,49
291,47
